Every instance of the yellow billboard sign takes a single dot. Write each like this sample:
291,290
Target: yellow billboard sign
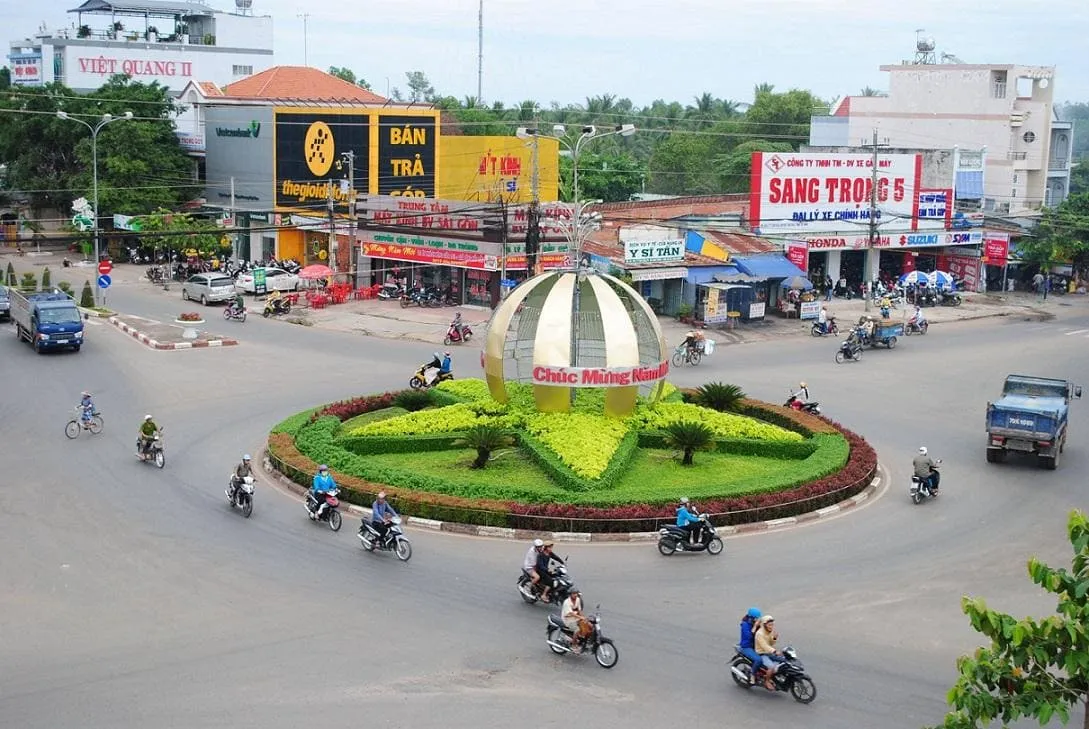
497,168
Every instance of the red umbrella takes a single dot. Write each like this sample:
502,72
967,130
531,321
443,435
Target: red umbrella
316,271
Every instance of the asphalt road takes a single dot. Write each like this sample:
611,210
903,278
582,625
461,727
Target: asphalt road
135,597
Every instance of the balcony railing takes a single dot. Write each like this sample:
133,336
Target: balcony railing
1016,155
1058,164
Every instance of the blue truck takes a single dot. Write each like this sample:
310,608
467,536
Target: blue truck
47,321
1030,418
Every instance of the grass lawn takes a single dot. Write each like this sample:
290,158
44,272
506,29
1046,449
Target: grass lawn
654,476
371,417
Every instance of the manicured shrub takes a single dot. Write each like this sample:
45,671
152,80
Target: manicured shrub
450,419
720,396
87,296
9,275
29,283
689,436
47,279
65,287
413,400
723,425
485,438
584,443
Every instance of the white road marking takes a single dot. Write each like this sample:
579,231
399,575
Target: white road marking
1077,331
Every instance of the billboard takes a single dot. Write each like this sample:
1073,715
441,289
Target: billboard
492,168
309,157
810,193
406,155
238,144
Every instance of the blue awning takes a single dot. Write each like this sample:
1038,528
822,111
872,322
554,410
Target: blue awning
970,185
771,266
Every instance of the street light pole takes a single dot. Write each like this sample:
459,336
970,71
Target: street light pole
95,129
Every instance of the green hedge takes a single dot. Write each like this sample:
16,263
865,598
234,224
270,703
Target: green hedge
566,478
373,444
291,425
373,416
783,450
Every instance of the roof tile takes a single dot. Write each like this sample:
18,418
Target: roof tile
299,83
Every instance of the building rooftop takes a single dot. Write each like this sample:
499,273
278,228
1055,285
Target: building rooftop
298,83
144,7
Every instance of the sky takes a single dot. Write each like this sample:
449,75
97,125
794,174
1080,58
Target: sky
568,50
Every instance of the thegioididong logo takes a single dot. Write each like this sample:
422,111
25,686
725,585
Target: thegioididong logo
319,148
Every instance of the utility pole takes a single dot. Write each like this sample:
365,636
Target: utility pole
533,227
872,242
306,55
350,157
480,55
332,229
503,245
234,223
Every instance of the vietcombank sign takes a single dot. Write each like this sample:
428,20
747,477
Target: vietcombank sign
253,131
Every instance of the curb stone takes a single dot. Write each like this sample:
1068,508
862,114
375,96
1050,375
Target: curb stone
593,537
155,344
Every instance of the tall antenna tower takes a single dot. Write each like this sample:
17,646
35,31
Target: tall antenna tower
480,56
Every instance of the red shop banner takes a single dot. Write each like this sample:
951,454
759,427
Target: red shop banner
799,256
434,256
966,269
996,248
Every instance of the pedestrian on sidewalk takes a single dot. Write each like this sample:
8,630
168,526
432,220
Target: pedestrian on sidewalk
827,287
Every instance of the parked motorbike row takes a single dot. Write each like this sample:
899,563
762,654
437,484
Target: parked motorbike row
426,296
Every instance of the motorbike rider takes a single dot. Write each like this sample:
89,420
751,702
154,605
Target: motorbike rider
87,408
693,341
445,369
456,325
822,319
241,471
323,484
925,468
148,429
545,558
574,620
917,318
885,305
237,303
801,397
274,300
381,515
529,562
747,642
764,640
689,519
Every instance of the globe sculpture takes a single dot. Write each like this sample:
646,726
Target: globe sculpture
564,330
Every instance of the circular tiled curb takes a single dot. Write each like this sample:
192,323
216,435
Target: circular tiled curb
827,512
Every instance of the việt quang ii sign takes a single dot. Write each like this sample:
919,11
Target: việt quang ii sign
600,376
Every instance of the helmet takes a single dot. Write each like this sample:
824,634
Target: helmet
753,613
246,457
447,353
574,590
802,384
767,619
684,500
538,543
381,495
922,450
147,417
85,394
323,467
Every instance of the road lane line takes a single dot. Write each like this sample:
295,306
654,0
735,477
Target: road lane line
1077,331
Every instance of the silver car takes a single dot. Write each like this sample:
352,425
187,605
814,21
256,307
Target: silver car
5,304
208,288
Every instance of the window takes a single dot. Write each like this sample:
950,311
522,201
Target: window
242,70
1015,178
998,84
1029,137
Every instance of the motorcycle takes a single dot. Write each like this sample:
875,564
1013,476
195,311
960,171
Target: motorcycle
791,676
419,380
559,638
561,586
849,349
794,403
816,330
673,538
329,512
154,274
914,327
154,450
394,540
919,491
390,291
242,496
949,298
274,307
458,334
232,313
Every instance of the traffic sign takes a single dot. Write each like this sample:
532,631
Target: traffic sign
508,283
104,281
104,267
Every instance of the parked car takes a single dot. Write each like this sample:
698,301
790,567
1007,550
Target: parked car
275,278
5,304
208,288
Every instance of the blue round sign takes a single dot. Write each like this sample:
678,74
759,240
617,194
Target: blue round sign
104,281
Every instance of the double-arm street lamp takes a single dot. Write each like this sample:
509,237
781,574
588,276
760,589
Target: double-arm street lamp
95,129
580,228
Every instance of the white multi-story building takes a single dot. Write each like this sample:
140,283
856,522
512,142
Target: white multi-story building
1000,114
169,41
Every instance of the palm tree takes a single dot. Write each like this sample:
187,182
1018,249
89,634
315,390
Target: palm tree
730,108
485,438
870,91
720,396
689,436
760,89
705,103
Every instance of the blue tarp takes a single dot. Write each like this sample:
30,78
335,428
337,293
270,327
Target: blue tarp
771,266
970,185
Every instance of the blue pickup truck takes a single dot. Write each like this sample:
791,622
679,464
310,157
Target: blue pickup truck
47,320
1030,418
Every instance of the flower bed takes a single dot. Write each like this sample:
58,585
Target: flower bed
531,487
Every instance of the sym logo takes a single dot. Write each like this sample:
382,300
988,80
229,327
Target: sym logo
253,131
319,148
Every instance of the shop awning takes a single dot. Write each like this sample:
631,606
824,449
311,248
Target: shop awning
770,267
724,286
737,278
658,274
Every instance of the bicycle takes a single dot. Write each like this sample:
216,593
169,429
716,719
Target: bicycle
687,355
94,424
